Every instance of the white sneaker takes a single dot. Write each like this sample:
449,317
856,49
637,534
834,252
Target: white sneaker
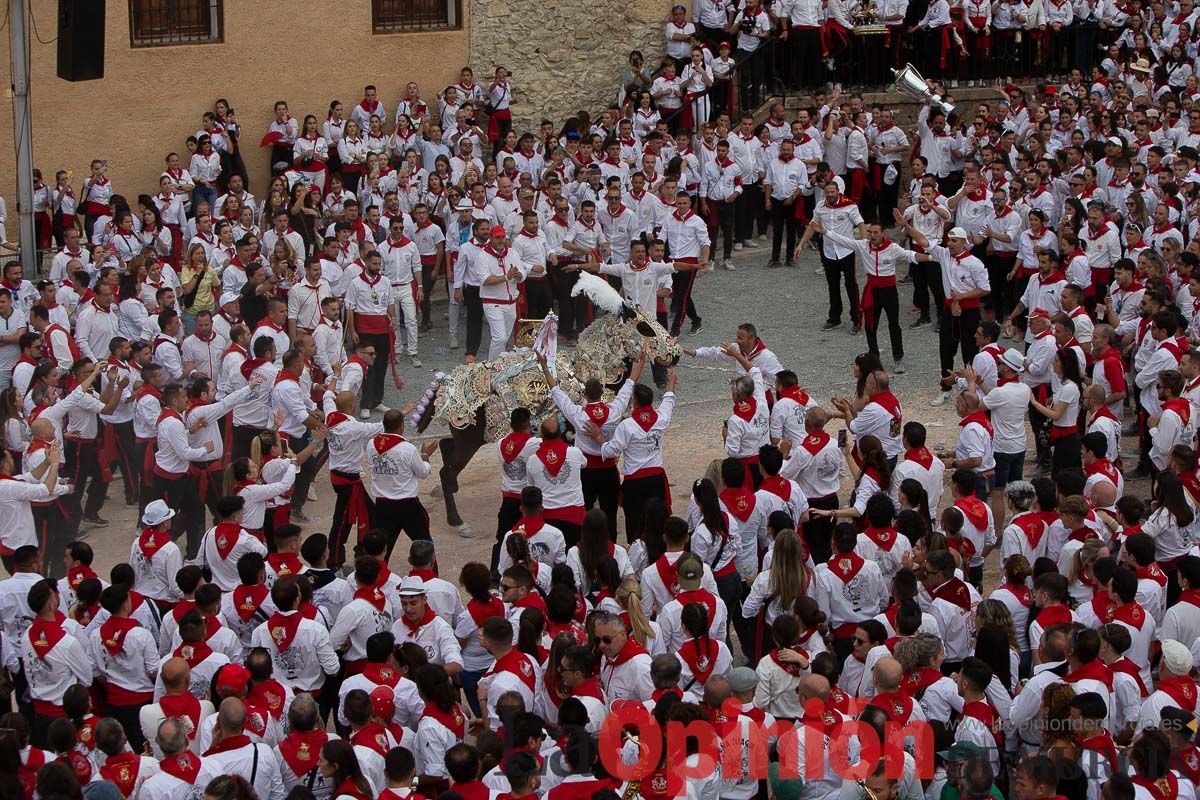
364,414
762,237
752,244
940,400
737,246
453,341
416,362
382,409
312,493
729,266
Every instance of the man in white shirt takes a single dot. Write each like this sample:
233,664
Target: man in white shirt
402,268
838,214
396,467
233,753
500,272
371,317
300,651
304,300
171,461
639,439
687,238
816,463
625,665
420,625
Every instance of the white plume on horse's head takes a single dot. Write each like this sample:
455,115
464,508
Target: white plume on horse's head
599,292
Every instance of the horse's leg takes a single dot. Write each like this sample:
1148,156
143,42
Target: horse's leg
457,451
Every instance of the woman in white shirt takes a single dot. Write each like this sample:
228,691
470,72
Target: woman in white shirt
1063,411
1173,523
310,153
697,80
1015,595
154,234
205,168
776,590
16,430
352,150
333,129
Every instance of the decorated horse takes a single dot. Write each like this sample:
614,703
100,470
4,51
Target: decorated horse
476,400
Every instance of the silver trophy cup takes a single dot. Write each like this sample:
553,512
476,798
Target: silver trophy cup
910,82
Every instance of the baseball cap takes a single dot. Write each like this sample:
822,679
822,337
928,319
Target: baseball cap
960,751
383,702
498,230
1039,313
1115,140
1013,360
1177,657
232,680
156,513
1010,88
781,788
743,679
957,233
412,586
690,570
229,297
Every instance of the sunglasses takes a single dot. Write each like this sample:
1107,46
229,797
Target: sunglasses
507,587
606,639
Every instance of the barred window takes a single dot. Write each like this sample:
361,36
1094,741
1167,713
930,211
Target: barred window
154,23
392,16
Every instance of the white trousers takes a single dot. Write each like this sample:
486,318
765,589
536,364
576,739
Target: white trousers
500,320
408,307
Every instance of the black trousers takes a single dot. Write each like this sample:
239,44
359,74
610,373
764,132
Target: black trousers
538,298
243,435
406,515
602,486
783,217
474,319
887,198
308,470
570,530
56,525
1040,426
146,484
341,525
373,381
189,518
508,516
886,299
747,209
131,472
927,279
129,717
958,336
83,465
804,55
726,213
427,283
572,311
998,266
1067,453
635,492
818,531
838,271
681,300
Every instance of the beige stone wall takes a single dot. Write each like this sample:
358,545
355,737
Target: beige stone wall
151,98
566,57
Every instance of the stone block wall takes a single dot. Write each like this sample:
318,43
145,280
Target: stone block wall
565,56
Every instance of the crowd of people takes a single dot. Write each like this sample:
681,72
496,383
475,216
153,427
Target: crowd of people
218,350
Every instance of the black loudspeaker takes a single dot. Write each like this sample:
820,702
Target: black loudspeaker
80,39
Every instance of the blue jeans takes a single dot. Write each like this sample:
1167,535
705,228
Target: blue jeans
205,194
1009,467
470,685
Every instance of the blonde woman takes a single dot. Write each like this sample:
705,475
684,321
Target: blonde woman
776,590
1081,581
645,630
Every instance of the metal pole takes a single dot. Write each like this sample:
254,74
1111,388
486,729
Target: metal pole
23,135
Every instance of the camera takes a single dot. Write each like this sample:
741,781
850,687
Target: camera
472,122
748,25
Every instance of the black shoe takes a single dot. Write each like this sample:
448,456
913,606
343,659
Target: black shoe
789,263
773,263
830,324
674,333
1140,472
696,327
921,322
937,326
95,521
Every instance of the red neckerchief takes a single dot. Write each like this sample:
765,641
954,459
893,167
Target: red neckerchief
415,627
225,537
373,735
511,445
381,674
888,402
453,720
182,705
1094,670
668,573
975,510
983,711
184,766
953,591
516,663
846,565
795,393
631,649
1082,534
979,418
1056,614
45,634
1131,614
920,456
268,694
386,441
481,612
884,538
78,574
529,526
1181,406
701,662
645,417
897,704
738,501
597,412
249,365
282,628
228,744
1125,666
553,454
372,595
780,487
1165,788
113,632
248,599
194,654
285,564
122,769
745,409
787,666
920,679
301,750
814,443
1021,592
1102,466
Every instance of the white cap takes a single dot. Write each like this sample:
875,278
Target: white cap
957,233
412,586
464,205
841,184
156,513
229,297
1177,657
1116,140
1013,359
